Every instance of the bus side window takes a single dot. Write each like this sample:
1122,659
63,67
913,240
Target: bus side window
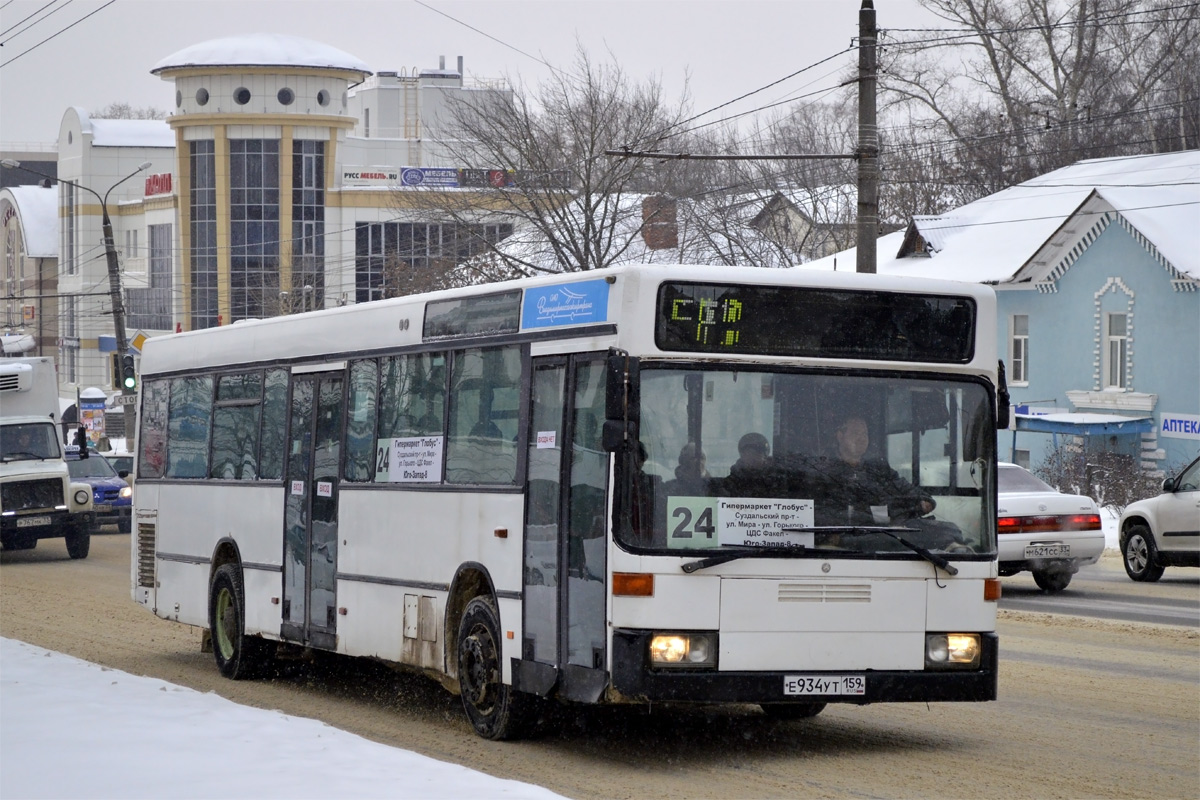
360,422
152,438
484,401
274,422
188,423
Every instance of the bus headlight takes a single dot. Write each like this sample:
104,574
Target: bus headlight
82,496
952,650
683,650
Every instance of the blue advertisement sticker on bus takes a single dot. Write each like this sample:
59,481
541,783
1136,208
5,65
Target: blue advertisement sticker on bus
577,303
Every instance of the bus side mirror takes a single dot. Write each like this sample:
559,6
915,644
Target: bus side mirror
622,396
617,434
1003,409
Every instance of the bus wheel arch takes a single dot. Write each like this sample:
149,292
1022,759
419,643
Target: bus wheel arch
238,655
226,552
470,581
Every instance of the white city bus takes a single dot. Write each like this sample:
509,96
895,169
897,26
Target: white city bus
492,485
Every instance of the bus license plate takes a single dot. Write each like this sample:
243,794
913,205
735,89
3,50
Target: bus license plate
32,522
797,685
1048,551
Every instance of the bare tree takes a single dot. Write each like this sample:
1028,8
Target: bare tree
128,111
1113,479
541,165
1032,85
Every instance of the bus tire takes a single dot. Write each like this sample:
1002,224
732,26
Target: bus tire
788,711
79,542
496,710
238,656
1140,555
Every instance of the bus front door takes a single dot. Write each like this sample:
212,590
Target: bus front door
564,644
311,510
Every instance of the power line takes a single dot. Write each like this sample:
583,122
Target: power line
995,32
61,31
34,14
486,35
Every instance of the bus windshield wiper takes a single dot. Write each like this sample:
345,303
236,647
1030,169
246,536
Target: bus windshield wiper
733,553
891,532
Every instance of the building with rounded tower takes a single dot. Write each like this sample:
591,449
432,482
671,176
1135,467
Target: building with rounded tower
258,120
276,184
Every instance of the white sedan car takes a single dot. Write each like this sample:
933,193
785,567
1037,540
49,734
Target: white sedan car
1042,530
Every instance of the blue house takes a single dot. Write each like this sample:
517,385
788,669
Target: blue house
1096,268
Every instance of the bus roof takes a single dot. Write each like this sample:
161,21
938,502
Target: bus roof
572,303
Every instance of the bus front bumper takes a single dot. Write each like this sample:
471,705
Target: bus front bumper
634,679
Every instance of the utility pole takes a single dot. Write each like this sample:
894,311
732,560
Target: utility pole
114,279
868,141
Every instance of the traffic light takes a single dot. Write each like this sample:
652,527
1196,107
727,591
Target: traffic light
128,373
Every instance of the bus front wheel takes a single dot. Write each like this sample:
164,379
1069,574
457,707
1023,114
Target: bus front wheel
238,656
496,710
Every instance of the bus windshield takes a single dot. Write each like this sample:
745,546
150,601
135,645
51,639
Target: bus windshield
808,460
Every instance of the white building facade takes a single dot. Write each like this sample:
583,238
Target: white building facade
276,185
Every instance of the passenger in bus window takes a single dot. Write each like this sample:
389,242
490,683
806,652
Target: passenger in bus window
755,474
857,490
691,476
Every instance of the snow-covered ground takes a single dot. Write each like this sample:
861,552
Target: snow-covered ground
1109,519
73,729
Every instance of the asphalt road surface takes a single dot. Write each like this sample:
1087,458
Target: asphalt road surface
1088,707
1104,591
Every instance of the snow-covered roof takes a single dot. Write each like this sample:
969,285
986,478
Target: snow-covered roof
38,210
261,50
132,133
715,231
991,239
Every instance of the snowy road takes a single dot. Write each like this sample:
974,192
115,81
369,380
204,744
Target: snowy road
1074,694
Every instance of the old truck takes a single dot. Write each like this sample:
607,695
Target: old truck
38,499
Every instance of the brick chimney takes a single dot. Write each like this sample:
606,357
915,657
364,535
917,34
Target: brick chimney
659,226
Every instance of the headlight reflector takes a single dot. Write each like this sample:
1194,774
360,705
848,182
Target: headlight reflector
683,650
952,650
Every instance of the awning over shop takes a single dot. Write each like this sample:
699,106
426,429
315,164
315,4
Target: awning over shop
1076,424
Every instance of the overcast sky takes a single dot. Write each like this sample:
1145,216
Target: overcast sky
727,47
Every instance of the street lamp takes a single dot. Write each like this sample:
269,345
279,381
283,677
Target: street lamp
114,273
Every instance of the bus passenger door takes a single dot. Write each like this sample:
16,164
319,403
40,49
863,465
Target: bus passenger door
311,510
564,645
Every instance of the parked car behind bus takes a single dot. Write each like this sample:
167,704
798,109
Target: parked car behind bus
1042,530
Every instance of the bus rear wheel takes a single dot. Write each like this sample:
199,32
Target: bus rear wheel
496,710
238,656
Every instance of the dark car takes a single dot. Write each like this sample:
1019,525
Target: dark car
113,496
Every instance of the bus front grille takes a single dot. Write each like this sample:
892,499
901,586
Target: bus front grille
145,555
824,592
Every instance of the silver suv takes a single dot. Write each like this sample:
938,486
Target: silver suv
1163,531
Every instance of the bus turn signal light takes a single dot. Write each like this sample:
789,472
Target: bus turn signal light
633,584
991,589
